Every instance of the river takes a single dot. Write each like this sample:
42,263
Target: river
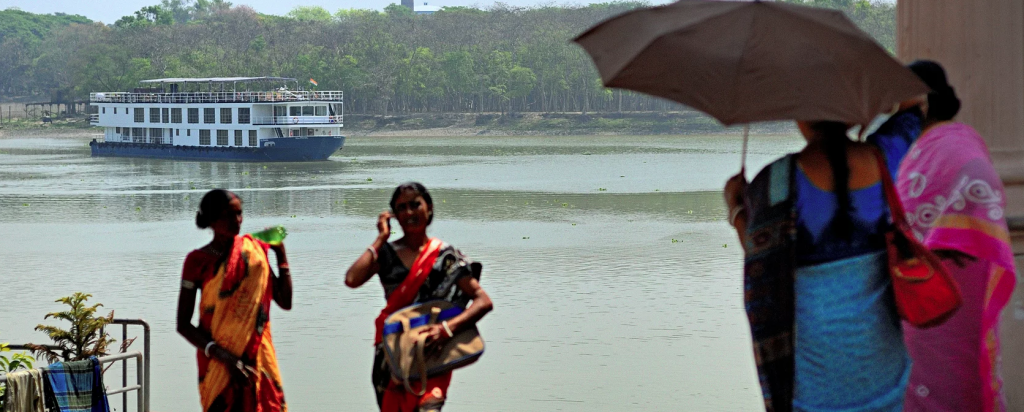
615,278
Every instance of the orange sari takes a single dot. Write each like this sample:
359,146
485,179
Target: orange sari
239,297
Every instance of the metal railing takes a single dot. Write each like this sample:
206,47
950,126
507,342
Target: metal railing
143,364
145,351
218,97
94,118
286,120
141,386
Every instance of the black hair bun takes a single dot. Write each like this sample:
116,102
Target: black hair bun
943,104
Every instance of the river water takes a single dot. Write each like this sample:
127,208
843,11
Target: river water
616,281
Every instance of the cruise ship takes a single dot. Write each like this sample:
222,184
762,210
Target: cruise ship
249,119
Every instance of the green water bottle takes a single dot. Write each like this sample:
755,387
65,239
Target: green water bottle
273,235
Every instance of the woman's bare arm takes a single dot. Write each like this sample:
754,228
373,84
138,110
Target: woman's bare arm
479,307
366,265
282,282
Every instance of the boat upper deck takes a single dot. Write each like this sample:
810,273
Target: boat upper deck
190,91
275,96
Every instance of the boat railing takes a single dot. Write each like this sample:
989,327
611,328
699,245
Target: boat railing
218,97
94,118
287,120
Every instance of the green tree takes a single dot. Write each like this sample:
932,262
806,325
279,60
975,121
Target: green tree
310,13
84,339
145,17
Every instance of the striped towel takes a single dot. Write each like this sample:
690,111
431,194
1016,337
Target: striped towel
77,386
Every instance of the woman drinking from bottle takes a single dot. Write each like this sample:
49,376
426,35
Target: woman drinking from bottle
414,269
237,363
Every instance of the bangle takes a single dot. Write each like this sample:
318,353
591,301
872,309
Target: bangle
373,253
447,330
207,350
735,213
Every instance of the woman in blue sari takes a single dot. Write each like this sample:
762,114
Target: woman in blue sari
826,335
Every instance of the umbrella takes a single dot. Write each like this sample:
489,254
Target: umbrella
744,62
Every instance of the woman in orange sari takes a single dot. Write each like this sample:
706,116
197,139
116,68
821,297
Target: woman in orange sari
416,269
237,363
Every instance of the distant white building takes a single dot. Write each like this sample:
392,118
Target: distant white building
425,8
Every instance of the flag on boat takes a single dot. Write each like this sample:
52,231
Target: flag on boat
314,82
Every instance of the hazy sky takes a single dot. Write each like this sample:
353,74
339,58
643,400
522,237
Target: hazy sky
109,11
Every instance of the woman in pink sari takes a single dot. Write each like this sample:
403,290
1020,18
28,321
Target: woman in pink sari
955,201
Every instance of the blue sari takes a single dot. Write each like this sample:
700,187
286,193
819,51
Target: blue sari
826,333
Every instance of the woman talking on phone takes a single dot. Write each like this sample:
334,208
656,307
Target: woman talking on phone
414,269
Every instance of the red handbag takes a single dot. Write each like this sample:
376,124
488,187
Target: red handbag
926,295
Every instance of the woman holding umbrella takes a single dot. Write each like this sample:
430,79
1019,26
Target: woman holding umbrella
825,291
826,335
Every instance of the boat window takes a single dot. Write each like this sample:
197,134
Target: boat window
193,115
321,110
176,115
225,115
167,116
222,138
294,111
307,110
238,137
208,115
177,132
154,115
243,115
204,137
138,134
140,115
280,110
104,110
252,138
117,130
188,132
115,110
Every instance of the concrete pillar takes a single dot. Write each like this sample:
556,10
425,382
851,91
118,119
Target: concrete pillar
981,44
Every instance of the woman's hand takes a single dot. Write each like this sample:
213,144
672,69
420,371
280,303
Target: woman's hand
734,190
958,258
282,257
240,372
436,337
384,225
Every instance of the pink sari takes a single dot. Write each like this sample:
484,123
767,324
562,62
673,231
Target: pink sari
955,200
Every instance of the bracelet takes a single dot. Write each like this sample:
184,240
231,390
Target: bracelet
373,253
447,330
735,213
207,350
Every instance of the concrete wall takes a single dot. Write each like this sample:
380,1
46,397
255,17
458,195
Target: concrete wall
981,44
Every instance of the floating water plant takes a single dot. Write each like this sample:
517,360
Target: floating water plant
526,237
601,189
369,179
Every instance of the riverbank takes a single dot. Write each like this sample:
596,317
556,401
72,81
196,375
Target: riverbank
471,124
544,124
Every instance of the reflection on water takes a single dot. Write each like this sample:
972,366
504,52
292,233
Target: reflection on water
616,282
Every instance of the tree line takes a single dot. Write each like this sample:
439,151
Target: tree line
459,59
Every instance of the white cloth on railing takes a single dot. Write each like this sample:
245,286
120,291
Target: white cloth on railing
24,392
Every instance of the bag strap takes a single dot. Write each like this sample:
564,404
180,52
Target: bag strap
420,360
896,213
